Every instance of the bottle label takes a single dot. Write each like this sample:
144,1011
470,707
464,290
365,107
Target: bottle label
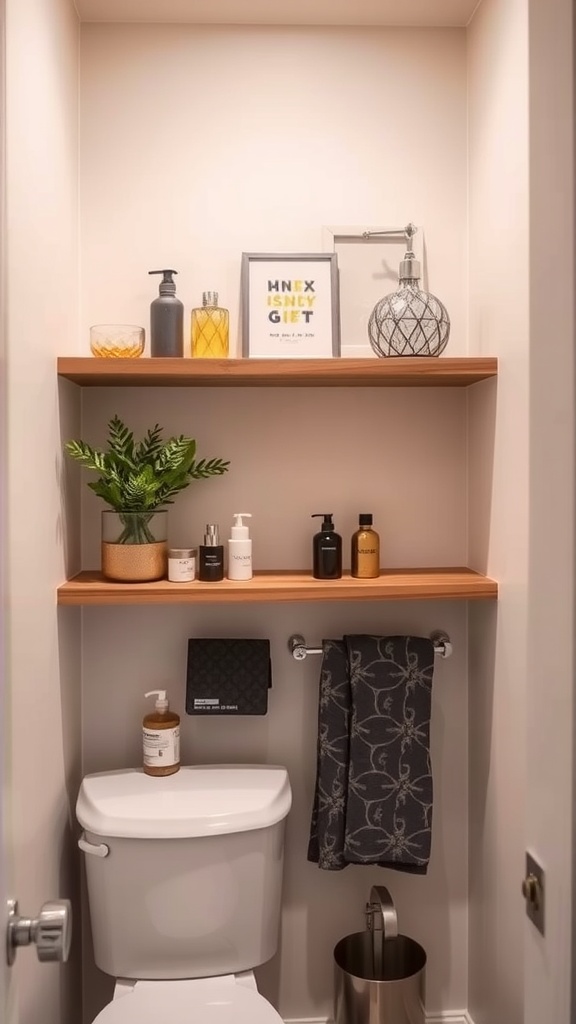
161,747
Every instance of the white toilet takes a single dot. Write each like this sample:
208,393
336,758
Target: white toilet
184,883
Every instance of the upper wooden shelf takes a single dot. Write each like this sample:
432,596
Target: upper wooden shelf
394,372
90,588
416,14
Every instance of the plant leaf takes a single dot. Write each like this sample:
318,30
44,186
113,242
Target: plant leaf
176,455
109,491
210,467
89,457
148,449
121,442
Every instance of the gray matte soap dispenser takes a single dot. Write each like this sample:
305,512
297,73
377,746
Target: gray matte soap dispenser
166,319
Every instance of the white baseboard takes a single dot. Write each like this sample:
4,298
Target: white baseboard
457,1017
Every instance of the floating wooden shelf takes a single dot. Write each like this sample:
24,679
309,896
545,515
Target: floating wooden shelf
89,588
394,372
418,13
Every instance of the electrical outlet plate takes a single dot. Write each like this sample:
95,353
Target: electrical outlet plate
534,892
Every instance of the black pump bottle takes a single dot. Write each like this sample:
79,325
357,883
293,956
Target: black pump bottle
166,318
327,550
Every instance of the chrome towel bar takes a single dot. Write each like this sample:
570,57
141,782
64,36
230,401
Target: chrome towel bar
299,650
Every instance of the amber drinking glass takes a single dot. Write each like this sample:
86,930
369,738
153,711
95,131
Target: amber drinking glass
116,341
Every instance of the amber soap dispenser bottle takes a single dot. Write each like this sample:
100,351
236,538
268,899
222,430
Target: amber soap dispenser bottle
161,737
365,560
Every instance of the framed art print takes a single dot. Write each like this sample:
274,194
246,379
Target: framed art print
290,306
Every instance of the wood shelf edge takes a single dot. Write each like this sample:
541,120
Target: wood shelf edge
458,371
89,588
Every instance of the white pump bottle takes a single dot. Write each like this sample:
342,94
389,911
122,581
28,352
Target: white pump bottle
240,549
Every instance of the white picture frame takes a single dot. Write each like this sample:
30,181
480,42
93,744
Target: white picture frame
367,270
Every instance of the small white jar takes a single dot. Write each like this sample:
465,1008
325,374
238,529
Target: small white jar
181,565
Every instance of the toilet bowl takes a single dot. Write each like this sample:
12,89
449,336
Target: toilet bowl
184,877
222,1000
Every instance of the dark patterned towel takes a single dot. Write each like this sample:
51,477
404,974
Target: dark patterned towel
330,796
373,796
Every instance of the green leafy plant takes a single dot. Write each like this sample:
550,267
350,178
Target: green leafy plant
138,478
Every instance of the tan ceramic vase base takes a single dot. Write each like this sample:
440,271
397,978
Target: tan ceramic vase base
135,563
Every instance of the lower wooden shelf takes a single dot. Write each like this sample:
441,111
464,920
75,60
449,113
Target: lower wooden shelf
90,588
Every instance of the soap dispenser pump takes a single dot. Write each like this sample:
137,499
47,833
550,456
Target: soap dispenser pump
240,549
161,737
327,550
166,318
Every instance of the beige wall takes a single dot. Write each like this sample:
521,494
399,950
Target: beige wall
218,145
550,708
498,498
42,320
6,1003
263,166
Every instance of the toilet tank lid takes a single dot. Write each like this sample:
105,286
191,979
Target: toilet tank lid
203,800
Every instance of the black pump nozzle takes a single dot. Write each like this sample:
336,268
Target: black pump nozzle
327,524
167,285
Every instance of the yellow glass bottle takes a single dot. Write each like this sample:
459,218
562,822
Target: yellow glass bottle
210,329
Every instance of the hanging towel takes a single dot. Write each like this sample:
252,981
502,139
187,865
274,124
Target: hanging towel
328,826
373,795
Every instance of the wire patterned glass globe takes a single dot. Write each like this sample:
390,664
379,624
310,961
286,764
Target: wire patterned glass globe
409,322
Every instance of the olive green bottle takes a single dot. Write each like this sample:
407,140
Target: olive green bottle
365,560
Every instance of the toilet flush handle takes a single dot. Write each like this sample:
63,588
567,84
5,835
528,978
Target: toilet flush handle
100,850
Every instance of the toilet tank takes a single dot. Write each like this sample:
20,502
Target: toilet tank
184,873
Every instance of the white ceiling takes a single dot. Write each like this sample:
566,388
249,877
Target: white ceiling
409,13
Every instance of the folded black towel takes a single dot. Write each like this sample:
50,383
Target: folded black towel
228,677
373,797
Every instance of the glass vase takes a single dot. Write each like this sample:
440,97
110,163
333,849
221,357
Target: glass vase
134,546
409,322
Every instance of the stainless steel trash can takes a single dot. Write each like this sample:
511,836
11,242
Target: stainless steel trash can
379,975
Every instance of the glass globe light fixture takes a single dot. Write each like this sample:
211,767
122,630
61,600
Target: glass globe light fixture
409,321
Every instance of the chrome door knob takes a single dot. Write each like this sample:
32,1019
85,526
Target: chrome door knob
51,931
